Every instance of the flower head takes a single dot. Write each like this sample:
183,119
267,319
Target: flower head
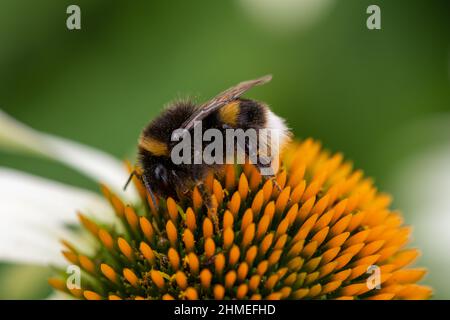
321,230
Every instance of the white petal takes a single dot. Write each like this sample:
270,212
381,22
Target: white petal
58,295
34,213
421,186
94,163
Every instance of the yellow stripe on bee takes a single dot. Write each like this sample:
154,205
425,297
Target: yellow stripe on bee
153,146
229,113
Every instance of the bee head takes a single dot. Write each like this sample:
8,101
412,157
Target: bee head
161,181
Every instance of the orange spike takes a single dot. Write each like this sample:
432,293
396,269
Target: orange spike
57,284
210,247
219,263
404,258
234,204
282,200
282,228
270,209
320,236
228,238
234,255
147,228
87,264
230,279
311,190
254,282
70,256
251,255
255,179
242,291
243,186
205,278
208,229
88,224
125,248
193,263
147,252
191,294
248,236
219,292
106,239
247,219
262,267
271,282
181,279
197,199
305,210
242,271
295,264
228,220
297,175
258,202
218,191
131,218
188,239
157,278
230,177
109,273
191,222
172,209
267,190
131,277
91,295
298,191
263,225
174,258
275,257
265,244
118,205
341,225
171,233
292,214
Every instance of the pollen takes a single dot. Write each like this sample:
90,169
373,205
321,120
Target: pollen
318,230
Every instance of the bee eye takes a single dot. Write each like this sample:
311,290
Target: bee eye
161,174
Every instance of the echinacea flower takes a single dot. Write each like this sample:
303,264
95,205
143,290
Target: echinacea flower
318,236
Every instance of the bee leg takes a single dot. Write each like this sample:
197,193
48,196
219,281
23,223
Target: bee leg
132,174
152,195
261,167
212,211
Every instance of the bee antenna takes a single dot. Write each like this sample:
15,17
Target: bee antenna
132,174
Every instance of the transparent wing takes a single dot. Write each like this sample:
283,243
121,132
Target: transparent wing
222,99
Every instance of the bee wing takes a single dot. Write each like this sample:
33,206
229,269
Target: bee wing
222,99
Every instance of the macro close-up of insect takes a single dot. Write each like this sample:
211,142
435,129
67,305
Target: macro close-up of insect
226,111
224,151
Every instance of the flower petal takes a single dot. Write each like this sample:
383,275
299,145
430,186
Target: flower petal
422,184
35,212
94,163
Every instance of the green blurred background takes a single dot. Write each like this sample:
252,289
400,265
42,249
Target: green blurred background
357,90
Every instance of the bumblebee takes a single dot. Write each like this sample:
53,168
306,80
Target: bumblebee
161,176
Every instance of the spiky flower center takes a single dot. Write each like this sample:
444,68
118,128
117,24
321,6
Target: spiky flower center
319,236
